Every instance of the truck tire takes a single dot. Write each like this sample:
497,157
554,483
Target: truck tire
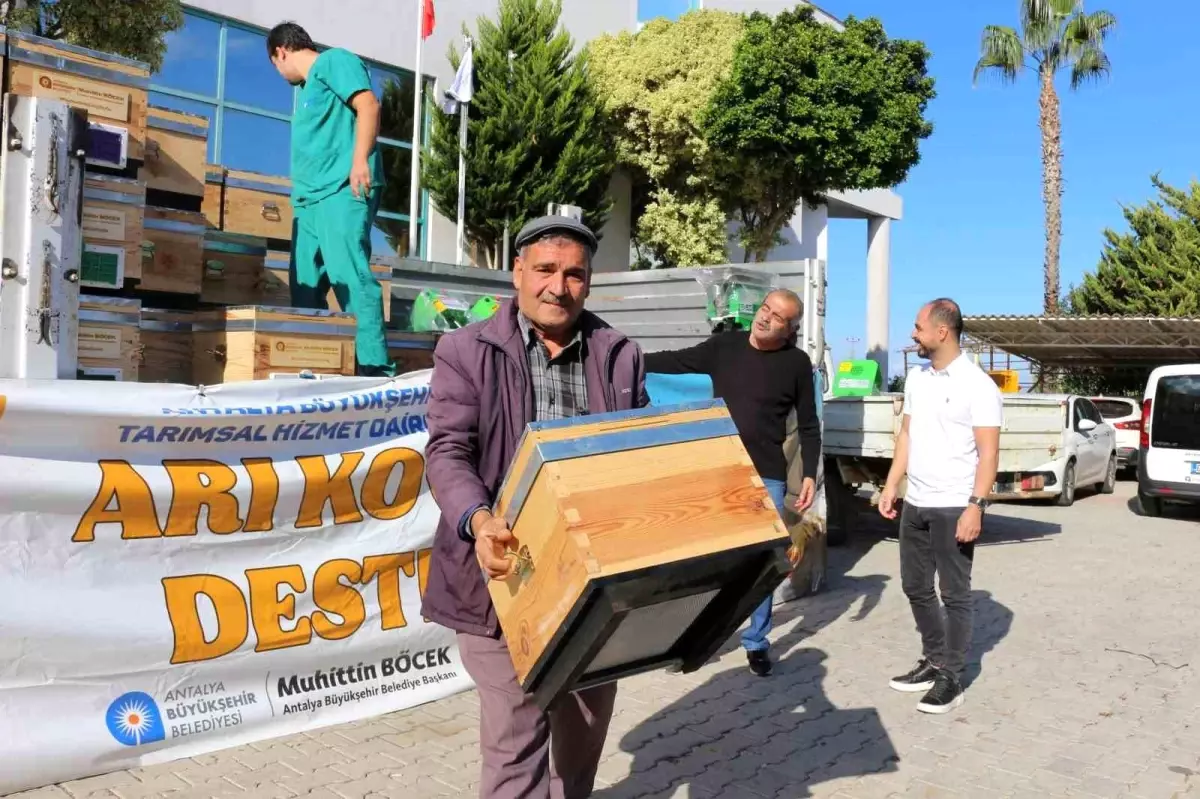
1066,497
839,506
1110,477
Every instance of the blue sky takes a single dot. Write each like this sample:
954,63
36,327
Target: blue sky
973,227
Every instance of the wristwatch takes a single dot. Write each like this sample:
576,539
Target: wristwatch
982,502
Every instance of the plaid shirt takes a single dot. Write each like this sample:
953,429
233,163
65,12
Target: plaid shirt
559,386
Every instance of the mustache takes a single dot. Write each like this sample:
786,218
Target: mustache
552,299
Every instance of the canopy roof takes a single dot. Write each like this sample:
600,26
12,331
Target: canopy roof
1099,341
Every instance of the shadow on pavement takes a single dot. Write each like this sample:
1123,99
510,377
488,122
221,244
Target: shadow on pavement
1184,511
779,735
998,530
992,623
785,720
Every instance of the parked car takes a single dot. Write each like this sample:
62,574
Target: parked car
1169,450
1125,415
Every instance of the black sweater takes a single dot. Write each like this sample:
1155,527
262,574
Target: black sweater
760,389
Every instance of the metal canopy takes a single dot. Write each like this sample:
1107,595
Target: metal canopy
1092,341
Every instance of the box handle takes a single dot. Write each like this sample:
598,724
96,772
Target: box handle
522,563
271,213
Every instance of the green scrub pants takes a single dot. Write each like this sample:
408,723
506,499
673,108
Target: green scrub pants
331,247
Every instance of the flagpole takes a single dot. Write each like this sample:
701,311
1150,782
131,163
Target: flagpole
462,179
415,180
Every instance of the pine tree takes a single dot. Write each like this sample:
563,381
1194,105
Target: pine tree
536,133
1154,269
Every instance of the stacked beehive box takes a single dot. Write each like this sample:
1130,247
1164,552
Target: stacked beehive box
182,258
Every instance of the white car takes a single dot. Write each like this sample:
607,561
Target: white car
1125,415
1169,451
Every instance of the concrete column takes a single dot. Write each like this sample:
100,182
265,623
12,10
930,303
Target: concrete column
879,258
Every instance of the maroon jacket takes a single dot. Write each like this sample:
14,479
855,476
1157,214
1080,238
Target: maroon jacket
481,399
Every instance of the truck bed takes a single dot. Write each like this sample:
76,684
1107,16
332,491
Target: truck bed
866,427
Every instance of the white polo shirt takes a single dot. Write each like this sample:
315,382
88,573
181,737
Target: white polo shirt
945,406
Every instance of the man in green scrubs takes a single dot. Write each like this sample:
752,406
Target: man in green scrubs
337,180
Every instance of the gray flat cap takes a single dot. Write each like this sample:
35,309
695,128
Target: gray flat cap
556,224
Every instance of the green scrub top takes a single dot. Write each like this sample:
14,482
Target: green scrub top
323,128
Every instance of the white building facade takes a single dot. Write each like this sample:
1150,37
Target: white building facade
217,66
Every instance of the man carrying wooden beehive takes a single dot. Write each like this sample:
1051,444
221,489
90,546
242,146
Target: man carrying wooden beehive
337,182
538,358
762,376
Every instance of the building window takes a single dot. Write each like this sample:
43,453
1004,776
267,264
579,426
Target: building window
218,68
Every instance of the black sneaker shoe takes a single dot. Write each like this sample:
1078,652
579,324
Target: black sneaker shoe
945,695
921,678
760,662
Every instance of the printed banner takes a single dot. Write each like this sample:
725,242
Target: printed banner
184,570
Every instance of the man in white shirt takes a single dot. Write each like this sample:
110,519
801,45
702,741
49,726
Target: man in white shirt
948,448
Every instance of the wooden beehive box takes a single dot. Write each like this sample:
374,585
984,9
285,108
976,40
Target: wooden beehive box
176,152
113,222
257,205
411,352
109,338
277,286
166,340
173,258
257,342
234,272
642,539
112,89
213,203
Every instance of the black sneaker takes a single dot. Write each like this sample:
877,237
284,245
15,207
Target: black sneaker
760,662
921,678
945,695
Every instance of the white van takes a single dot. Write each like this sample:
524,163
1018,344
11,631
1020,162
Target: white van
1169,451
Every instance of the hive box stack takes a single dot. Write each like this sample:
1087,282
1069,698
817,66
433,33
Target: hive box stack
110,346
114,215
261,343
642,540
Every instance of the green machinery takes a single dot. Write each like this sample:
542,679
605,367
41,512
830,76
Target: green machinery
439,311
860,378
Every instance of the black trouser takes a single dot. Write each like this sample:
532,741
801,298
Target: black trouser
928,545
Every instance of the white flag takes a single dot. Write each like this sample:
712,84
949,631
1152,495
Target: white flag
463,89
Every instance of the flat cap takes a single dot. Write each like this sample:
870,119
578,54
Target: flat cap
556,224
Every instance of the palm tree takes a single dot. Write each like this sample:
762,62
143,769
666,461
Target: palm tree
1055,35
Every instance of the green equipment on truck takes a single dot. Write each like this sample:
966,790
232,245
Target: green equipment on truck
860,378
439,311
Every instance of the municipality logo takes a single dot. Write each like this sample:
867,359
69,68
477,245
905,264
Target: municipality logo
133,719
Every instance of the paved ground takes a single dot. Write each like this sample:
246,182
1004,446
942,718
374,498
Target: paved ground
1083,683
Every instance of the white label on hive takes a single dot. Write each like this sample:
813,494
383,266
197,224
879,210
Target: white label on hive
106,224
99,343
305,353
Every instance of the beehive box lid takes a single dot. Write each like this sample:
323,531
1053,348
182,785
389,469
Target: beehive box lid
161,118
29,49
278,320
112,310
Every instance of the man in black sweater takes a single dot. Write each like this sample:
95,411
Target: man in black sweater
762,376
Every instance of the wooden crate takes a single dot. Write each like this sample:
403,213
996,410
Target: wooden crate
643,539
113,225
277,286
411,352
176,152
257,342
174,256
213,203
112,89
166,339
109,338
233,270
257,205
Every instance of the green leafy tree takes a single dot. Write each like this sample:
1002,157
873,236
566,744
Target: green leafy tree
132,29
1154,268
536,130
1055,35
809,109
657,85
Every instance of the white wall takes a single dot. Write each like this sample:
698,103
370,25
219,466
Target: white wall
806,236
